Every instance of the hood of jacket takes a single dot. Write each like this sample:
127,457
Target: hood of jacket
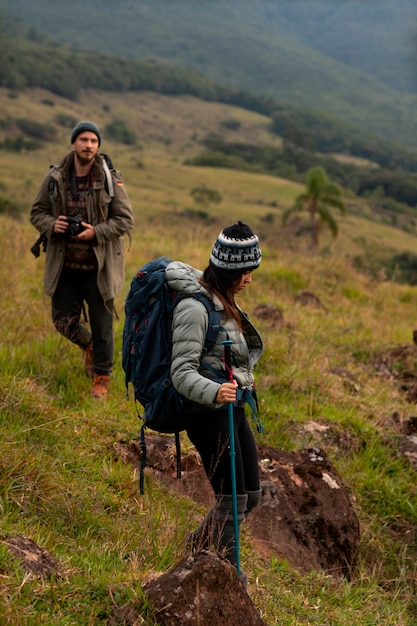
185,279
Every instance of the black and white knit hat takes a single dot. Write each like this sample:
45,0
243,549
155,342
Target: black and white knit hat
236,248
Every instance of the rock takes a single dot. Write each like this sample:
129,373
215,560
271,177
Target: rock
202,589
35,559
305,515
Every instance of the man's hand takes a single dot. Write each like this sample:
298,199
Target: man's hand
61,225
87,234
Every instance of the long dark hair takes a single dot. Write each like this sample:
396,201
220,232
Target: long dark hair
221,282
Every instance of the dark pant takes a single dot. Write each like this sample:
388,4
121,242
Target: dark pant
73,289
208,430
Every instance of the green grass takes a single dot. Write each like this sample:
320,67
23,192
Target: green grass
62,481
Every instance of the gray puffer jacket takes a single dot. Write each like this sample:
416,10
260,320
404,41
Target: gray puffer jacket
189,328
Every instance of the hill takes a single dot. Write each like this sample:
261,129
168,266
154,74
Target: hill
351,60
235,138
347,365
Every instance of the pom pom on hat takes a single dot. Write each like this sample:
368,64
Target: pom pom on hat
83,126
236,248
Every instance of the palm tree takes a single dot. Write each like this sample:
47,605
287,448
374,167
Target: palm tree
319,196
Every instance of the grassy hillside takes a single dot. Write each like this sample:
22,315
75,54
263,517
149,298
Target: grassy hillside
62,483
338,57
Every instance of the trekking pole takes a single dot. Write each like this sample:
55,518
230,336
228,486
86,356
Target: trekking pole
232,452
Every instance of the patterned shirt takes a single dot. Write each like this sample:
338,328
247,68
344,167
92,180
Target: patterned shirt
79,255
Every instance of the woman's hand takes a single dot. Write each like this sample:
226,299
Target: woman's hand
226,393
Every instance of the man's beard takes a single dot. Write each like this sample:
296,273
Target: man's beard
85,160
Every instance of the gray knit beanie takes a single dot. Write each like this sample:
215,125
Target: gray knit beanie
81,127
236,248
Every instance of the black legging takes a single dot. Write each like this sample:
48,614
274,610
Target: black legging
208,430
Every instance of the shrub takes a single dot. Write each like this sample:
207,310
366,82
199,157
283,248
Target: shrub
118,131
198,214
19,144
36,130
403,268
8,207
65,120
231,124
205,196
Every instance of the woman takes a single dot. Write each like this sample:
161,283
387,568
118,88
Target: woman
205,383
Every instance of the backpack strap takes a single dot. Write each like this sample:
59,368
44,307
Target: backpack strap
51,187
109,177
214,322
142,461
107,167
250,397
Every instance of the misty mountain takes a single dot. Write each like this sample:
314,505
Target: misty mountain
378,37
353,59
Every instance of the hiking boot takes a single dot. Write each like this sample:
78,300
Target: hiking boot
243,579
88,360
100,387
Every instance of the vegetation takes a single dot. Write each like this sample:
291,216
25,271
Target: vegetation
63,483
119,131
313,131
310,138
353,61
204,196
390,190
320,195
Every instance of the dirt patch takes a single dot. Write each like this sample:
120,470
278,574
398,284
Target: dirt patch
270,314
305,516
309,299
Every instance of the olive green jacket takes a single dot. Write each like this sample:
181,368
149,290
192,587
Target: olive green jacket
112,217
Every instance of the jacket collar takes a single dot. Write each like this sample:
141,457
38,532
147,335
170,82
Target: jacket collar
67,164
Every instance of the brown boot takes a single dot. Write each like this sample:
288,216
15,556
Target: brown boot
100,387
88,360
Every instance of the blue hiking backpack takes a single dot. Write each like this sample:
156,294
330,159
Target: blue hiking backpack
146,350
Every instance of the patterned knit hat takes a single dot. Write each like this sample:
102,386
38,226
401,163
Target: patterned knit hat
236,248
83,126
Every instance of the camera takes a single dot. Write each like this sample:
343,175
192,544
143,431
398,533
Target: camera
75,227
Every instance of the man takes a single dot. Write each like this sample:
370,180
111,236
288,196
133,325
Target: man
83,210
